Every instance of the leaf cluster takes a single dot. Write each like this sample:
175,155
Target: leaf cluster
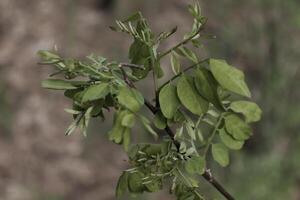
207,103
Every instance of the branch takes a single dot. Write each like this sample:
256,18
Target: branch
185,70
209,177
207,174
182,42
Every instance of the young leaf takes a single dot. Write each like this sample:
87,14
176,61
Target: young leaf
128,120
187,53
250,110
147,125
48,55
230,142
220,154
195,165
130,98
236,127
154,185
159,121
95,92
135,183
189,96
116,133
134,17
229,77
207,87
56,84
126,139
168,101
175,63
190,130
122,185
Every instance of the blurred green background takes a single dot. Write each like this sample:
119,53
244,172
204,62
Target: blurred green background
262,37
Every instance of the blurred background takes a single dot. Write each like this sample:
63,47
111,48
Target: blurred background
37,161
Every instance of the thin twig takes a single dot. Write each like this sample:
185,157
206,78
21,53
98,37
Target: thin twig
183,42
185,70
130,65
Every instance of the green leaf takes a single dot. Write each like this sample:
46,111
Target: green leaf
147,125
116,133
130,98
128,120
220,154
229,77
236,127
175,63
96,92
134,17
122,185
189,96
56,84
154,186
250,110
48,55
168,101
159,121
230,142
207,87
126,139
135,183
195,165
190,130
187,53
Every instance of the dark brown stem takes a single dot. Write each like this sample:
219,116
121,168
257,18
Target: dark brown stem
209,177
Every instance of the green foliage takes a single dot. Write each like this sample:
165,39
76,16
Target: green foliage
197,104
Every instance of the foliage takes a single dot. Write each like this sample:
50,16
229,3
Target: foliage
207,103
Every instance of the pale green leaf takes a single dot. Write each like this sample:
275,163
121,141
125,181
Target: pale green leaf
126,139
147,125
128,120
116,133
207,87
229,77
250,110
220,154
122,185
175,63
187,53
159,121
130,98
135,182
195,165
56,84
229,141
154,185
236,127
168,101
189,96
96,92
